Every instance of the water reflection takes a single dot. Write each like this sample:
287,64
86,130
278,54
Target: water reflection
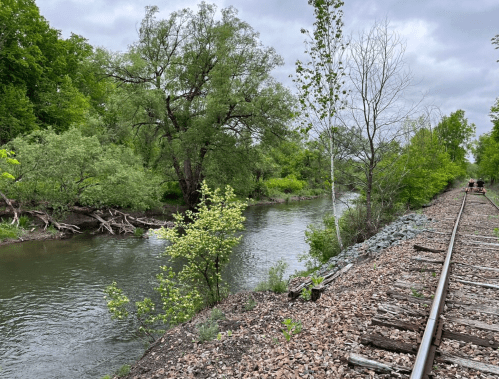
53,317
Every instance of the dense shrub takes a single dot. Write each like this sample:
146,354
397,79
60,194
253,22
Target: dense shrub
288,184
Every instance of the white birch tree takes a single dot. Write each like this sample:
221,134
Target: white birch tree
320,80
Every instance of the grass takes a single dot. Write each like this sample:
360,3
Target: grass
274,281
123,370
250,304
8,231
138,232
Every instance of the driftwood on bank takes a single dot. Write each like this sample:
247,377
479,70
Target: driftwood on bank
47,219
11,206
112,221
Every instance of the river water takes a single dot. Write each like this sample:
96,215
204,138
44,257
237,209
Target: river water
54,321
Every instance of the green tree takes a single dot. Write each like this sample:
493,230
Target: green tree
201,84
320,80
487,157
494,117
202,247
426,169
69,169
38,71
455,134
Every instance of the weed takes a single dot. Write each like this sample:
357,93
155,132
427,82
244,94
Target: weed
8,231
24,222
496,232
250,304
219,336
434,274
123,370
207,331
106,377
138,232
415,293
276,341
52,230
292,327
316,280
374,267
229,333
216,314
274,282
306,294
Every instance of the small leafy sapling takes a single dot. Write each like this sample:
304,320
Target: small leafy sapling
292,327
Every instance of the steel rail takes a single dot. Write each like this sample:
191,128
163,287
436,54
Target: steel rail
424,347
489,199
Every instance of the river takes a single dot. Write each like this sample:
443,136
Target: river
54,321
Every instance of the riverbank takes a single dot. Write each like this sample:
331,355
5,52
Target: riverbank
251,342
83,222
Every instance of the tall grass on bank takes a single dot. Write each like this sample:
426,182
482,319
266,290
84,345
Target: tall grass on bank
323,240
8,231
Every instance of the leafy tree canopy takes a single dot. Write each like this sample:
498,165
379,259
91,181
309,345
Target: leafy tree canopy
455,133
200,85
39,72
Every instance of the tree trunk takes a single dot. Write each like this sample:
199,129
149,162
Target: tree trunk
333,196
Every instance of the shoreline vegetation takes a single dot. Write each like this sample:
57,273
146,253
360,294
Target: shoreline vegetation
33,228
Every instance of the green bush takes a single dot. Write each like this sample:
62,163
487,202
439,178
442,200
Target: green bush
207,331
274,281
24,222
250,304
172,193
138,232
8,231
289,184
123,370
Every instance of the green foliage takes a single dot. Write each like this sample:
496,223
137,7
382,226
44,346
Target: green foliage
415,293
250,304
487,157
455,134
205,242
123,370
200,87
292,327
117,302
201,243
8,231
494,116
306,294
5,162
216,314
71,169
207,331
274,281
138,232
24,222
426,169
287,185
496,232
41,82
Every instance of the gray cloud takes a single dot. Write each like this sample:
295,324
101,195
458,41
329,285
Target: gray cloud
448,41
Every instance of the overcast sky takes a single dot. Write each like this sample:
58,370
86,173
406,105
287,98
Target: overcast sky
448,41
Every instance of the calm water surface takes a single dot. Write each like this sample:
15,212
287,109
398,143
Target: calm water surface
54,321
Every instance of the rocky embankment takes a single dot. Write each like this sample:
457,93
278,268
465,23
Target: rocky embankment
404,228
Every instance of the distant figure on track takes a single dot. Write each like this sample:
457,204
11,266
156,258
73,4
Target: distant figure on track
480,184
471,185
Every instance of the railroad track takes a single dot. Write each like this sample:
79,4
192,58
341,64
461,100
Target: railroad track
444,313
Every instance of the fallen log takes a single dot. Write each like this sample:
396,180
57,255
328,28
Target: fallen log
372,365
388,344
468,363
424,248
47,219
